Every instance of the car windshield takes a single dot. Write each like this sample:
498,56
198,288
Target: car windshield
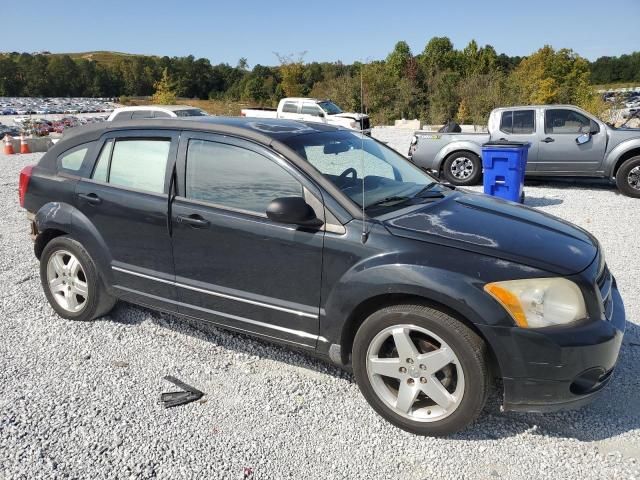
353,162
192,112
330,107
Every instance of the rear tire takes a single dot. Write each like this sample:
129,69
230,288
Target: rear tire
436,388
462,169
628,177
71,282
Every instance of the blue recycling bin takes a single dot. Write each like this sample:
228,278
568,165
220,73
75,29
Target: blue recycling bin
504,164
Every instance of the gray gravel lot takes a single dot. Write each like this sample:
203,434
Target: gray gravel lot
78,400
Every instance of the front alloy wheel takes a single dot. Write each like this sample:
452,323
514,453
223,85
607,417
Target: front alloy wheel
421,369
415,373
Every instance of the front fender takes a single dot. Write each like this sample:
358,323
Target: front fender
66,218
614,155
456,147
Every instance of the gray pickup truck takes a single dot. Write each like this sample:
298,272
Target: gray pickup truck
565,141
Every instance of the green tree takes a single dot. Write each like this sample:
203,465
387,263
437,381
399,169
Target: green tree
165,93
398,60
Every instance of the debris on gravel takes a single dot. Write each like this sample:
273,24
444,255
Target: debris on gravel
79,400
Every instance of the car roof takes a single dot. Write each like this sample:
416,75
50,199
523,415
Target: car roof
171,108
261,130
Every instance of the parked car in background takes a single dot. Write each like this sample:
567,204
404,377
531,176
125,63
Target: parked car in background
565,141
155,111
312,110
329,241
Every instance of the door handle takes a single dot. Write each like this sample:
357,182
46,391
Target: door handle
91,198
548,140
195,221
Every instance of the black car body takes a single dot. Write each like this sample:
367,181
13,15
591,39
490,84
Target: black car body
314,284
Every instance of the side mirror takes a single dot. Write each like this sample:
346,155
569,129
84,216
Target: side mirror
584,138
293,210
321,114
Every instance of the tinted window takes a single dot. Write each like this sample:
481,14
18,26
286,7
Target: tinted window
140,164
518,122
141,114
160,114
310,109
565,121
290,107
234,177
102,166
72,159
122,116
191,112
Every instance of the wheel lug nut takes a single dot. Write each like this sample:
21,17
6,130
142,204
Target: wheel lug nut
423,366
423,380
409,360
403,370
411,381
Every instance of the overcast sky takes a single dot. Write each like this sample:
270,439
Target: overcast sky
328,30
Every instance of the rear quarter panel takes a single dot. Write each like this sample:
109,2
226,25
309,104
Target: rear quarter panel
434,147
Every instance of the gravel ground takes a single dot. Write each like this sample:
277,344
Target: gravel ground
78,400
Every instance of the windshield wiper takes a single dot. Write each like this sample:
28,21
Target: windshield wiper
392,199
426,192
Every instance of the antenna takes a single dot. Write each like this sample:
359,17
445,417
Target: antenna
365,233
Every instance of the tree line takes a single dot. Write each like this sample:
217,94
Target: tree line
438,83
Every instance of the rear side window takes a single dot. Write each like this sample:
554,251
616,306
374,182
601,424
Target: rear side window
518,122
141,114
122,116
71,161
161,114
290,107
134,163
218,173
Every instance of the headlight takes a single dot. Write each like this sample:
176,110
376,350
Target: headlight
354,124
539,302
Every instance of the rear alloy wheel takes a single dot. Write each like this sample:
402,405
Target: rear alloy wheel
71,282
463,169
421,369
67,281
628,177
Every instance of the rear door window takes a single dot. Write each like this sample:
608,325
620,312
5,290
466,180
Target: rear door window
141,114
122,116
290,107
161,114
139,164
518,122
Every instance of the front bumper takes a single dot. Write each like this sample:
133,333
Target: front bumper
558,369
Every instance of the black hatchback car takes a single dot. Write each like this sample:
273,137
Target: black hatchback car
327,240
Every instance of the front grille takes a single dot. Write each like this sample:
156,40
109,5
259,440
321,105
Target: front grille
605,282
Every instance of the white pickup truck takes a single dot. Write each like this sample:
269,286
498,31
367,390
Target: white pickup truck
312,110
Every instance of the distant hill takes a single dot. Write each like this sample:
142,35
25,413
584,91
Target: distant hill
101,56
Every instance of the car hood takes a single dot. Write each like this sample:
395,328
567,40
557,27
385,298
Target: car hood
352,116
500,229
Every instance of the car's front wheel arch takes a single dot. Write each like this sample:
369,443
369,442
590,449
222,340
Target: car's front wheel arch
363,310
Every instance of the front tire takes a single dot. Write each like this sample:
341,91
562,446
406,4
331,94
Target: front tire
71,282
628,177
462,169
421,369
